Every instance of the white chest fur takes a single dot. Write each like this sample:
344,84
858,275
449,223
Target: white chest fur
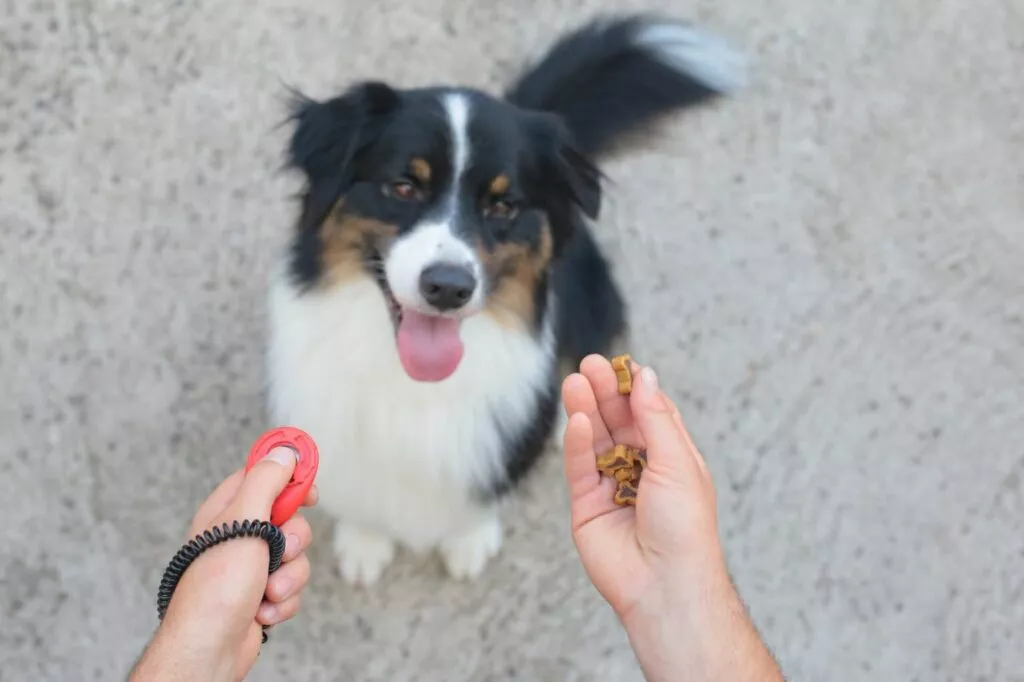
399,459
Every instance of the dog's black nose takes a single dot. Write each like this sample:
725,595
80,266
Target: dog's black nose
447,287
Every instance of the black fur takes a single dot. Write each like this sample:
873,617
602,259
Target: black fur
575,104
328,136
522,449
591,310
354,145
603,85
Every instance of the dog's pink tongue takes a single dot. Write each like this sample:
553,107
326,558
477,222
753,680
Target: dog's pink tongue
429,346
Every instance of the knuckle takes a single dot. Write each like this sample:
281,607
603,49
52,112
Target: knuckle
294,604
301,570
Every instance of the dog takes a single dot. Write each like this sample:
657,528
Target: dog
443,272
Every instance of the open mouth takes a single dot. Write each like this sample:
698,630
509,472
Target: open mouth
429,344
375,264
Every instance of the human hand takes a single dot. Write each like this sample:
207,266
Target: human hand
660,564
672,532
212,627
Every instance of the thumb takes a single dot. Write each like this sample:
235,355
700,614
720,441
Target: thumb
264,482
668,447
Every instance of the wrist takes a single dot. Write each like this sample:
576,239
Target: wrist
668,626
693,620
180,653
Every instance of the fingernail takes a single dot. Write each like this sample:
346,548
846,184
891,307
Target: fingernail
283,588
292,545
648,381
283,455
268,612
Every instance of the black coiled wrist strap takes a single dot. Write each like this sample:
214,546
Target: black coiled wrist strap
191,550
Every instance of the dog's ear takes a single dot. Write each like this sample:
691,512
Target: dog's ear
569,181
329,136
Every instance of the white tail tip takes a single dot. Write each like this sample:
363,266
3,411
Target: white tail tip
704,57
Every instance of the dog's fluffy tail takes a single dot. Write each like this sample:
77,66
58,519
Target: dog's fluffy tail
612,76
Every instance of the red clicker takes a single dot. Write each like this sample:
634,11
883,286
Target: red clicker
291,498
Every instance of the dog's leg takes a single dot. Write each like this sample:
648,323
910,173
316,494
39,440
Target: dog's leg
362,554
466,553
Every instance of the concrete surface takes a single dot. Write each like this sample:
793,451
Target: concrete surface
828,270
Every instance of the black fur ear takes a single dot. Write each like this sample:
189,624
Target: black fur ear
329,135
583,180
569,180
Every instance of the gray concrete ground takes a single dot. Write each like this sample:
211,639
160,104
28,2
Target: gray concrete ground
827,269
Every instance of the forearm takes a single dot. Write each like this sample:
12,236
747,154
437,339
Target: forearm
700,634
173,656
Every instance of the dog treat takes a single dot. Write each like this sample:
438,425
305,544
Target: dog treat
623,366
625,494
624,464
625,475
618,458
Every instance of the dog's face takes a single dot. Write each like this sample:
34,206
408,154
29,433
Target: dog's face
456,203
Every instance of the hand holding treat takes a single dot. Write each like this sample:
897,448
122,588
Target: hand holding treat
645,526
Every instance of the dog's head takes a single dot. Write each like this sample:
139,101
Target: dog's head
456,203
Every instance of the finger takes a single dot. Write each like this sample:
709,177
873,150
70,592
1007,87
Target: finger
581,473
216,503
615,408
298,536
288,580
590,494
578,396
264,483
312,498
274,614
669,451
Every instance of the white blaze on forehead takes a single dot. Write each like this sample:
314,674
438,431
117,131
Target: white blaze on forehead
435,240
456,106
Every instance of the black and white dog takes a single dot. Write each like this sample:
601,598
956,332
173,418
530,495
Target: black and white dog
443,270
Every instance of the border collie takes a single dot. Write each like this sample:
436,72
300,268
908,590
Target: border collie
443,272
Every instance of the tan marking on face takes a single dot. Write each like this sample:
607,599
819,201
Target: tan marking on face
499,185
519,270
346,238
420,170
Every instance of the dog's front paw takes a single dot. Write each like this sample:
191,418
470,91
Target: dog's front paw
362,555
466,555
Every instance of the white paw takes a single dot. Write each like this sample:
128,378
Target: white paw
465,556
362,555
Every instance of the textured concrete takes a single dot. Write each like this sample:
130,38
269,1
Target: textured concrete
828,271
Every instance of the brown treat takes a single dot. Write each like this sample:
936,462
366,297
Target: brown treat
624,464
623,366
617,458
625,495
625,475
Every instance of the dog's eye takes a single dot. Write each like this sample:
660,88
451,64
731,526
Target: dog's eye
500,208
404,189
